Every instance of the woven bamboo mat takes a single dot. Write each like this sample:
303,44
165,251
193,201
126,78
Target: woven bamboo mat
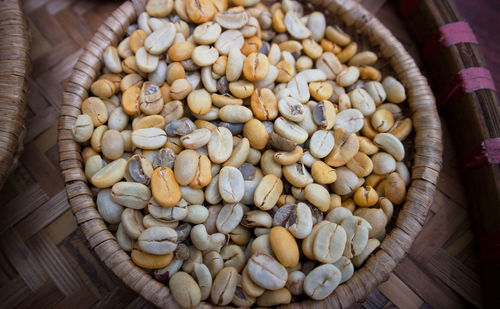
45,261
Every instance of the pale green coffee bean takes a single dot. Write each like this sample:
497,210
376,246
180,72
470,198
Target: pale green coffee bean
348,76
150,221
383,163
207,33
110,211
125,242
184,289
391,144
220,145
195,256
229,217
192,196
234,66
338,214
321,143
160,40
322,281
146,62
93,165
266,271
109,174
290,130
168,214
229,39
131,194
197,214
132,222
233,256
318,196
149,138
357,230
299,89
112,144
351,120
362,101
212,194
118,119
376,91
261,243
312,75
204,279
297,175
291,109
204,55
346,269
329,243
231,184
224,286
235,114
295,26
112,59
394,89
370,247
83,128
158,240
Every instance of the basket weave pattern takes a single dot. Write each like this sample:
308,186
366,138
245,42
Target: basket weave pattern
14,71
425,169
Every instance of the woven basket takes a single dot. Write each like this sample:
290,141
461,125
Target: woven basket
473,116
14,72
411,217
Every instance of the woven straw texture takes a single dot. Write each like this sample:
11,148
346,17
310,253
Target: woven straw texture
14,72
426,158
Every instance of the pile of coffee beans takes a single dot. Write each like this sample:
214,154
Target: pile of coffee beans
244,154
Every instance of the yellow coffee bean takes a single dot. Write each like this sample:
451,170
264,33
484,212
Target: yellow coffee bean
181,51
251,45
200,11
322,173
151,261
284,246
199,101
96,109
152,121
321,90
175,71
137,39
103,88
395,189
131,101
279,21
365,197
164,187
256,133
264,104
255,67
268,192
203,174
286,71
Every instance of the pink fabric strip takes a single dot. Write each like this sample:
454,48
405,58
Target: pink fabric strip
486,153
448,35
466,81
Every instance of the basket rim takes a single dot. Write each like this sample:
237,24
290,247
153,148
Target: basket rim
425,171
